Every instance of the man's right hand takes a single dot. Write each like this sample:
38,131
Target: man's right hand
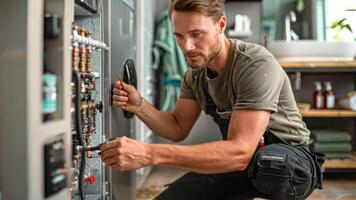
126,97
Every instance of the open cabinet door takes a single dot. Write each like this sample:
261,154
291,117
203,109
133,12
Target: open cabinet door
121,39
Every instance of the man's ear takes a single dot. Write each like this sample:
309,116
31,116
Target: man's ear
222,24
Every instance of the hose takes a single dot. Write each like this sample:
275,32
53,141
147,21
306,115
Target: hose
79,132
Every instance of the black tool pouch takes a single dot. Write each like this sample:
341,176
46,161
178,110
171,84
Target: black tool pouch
282,171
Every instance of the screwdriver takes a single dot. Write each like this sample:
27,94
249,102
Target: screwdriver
97,148
118,76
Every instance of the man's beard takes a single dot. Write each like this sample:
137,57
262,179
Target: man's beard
206,58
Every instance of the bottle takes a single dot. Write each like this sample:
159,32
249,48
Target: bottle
262,142
318,98
329,97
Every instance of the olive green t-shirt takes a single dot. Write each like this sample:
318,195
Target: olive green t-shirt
252,80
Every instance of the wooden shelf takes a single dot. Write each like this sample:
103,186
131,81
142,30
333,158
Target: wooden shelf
318,64
349,163
328,113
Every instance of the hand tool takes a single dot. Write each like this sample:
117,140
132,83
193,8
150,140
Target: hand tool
97,148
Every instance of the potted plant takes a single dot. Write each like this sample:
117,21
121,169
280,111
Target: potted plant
341,24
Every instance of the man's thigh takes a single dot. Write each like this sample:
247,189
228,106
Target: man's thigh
193,186
235,186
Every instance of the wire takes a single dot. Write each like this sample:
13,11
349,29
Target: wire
94,148
81,174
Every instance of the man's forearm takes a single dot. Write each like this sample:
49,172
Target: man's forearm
213,157
162,123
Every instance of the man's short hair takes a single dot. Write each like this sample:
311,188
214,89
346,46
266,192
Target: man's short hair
210,8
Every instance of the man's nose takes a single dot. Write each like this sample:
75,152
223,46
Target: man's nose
187,45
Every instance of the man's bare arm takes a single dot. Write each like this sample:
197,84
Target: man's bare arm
171,125
245,130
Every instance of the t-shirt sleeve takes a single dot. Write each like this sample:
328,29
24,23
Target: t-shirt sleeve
259,85
186,91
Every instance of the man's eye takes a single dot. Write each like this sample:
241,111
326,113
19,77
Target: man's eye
179,37
196,35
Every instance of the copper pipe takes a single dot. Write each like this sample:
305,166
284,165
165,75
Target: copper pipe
88,52
82,53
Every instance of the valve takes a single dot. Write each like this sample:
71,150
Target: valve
100,106
90,180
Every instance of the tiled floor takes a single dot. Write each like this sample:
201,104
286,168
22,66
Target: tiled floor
159,177
336,186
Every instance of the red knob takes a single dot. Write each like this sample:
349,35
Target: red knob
90,180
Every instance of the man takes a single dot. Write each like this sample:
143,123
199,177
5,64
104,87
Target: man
248,94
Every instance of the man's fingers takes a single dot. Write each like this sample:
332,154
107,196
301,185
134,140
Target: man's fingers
118,84
120,92
120,104
128,88
120,98
109,145
110,161
106,154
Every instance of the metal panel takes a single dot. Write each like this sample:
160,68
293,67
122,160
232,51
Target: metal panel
94,165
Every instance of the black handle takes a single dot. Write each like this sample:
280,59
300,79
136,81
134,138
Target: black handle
100,106
130,77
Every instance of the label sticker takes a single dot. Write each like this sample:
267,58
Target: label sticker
274,157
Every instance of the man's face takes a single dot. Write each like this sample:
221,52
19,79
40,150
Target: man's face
198,36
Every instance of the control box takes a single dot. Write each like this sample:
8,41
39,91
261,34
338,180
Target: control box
54,167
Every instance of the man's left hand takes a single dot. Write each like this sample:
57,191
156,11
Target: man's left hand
125,154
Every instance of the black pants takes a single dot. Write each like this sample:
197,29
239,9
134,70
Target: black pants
228,186
277,171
